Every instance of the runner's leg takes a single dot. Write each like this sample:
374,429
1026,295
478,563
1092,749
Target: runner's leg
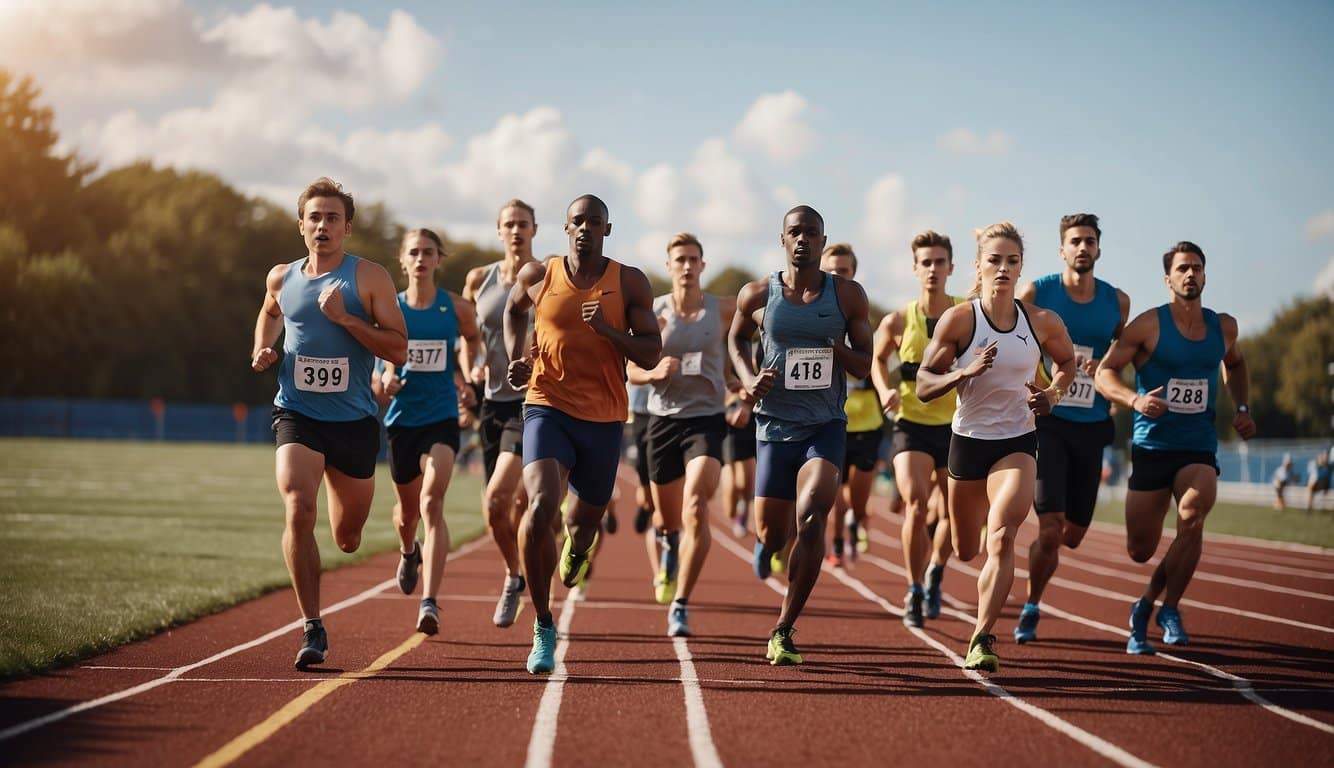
1010,488
701,481
437,469
1195,488
298,471
817,484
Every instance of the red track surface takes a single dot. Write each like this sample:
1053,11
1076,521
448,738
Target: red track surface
871,693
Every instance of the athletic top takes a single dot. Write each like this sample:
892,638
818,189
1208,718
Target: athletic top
491,296
325,373
994,406
576,370
1091,325
428,394
863,406
1188,373
810,387
917,332
697,388
638,394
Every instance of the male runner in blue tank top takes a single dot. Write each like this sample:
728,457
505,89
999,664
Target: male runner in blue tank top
816,332
337,314
1072,437
1177,350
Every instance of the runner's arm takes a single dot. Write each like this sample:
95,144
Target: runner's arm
269,324
855,357
1236,377
936,376
887,339
1055,340
471,353
470,345
386,336
748,302
1123,352
521,299
1123,301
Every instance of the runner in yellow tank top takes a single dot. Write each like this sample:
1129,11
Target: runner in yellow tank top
922,431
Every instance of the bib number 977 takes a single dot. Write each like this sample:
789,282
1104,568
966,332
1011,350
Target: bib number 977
320,374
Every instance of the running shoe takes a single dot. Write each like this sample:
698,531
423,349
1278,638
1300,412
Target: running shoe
542,659
778,561
678,622
428,617
863,538
664,589
1138,644
834,559
762,562
667,557
982,654
781,651
1169,618
609,523
507,608
314,646
935,574
573,567
912,607
409,568
739,527
1026,631
643,516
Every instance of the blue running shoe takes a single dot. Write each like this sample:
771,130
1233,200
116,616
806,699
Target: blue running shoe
1026,631
1169,618
934,575
678,622
667,560
761,561
1138,644
542,660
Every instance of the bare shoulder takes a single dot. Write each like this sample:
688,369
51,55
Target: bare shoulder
274,280
378,275
1228,324
1043,318
473,280
851,292
1028,292
753,295
531,273
955,322
1142,327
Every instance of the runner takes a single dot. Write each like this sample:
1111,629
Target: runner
739,458
501,414
639,417
591,313
1071,440
1177,350
686,428
1317,478
423,416
992,463
921,442
337,313
806,316
865,430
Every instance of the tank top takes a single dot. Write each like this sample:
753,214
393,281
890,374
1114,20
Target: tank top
325,373
577,371
1090,325
1188,373
994,406
810,388
697,388
490,299
917,332
863,406
428,394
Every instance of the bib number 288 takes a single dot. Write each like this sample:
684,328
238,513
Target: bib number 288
1187,395
320,374
809,368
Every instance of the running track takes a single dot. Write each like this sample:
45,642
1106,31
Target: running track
1255,687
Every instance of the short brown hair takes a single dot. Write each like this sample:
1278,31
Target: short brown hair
1185,246
1080,220
841,249
931,239
685,238
325,187
515,202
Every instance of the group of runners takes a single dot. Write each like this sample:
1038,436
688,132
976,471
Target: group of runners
1000,401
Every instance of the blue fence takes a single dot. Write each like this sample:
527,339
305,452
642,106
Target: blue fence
132,420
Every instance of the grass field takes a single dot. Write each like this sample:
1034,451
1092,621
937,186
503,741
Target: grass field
105,542
1295,525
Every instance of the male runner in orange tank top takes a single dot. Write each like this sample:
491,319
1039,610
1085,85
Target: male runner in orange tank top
590,314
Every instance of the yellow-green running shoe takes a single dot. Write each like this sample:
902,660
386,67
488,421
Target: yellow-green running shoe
781,651
573,567
664,589
981,655
776,562
863,539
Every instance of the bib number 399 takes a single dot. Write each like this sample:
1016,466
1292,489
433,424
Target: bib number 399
320,374
809,368
1187,395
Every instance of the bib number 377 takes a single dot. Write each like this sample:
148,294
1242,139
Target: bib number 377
320,374
809,368
1187,395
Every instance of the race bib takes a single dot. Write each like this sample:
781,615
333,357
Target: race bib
809,368
1081,390
320,374
1187,395
426,355
692,363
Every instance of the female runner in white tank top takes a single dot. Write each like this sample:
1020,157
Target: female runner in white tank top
992,461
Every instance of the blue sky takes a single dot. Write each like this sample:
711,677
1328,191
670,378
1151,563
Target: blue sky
1207,122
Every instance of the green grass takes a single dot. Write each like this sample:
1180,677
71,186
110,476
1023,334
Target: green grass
102,543
1294,525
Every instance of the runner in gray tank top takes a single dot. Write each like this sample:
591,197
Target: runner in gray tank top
816,330
501,414
686,426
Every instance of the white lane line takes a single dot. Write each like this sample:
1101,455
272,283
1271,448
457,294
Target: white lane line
103,666
1092,742
1108,594
1232,538
177,672
1240,684
1119,558
1076,561
542,744
702,748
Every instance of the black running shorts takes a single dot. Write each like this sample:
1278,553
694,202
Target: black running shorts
348,446
407,445
862,451
673,443
1152,470
1070,466
500,427
972,458
739,443
933,440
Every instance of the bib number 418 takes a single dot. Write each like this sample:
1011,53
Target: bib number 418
810,368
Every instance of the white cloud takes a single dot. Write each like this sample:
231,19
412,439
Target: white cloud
651,250
775,125
731,203
886,214
1320,226
1324,282
785,196
886,273
962,141
600,162
658,196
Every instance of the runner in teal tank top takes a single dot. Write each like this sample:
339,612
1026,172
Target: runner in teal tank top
423,416
337,313
816,331
1177,350
1071,439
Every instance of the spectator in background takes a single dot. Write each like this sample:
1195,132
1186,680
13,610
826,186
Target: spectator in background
1283,477
1317,478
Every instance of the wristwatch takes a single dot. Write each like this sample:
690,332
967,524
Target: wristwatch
1243,408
